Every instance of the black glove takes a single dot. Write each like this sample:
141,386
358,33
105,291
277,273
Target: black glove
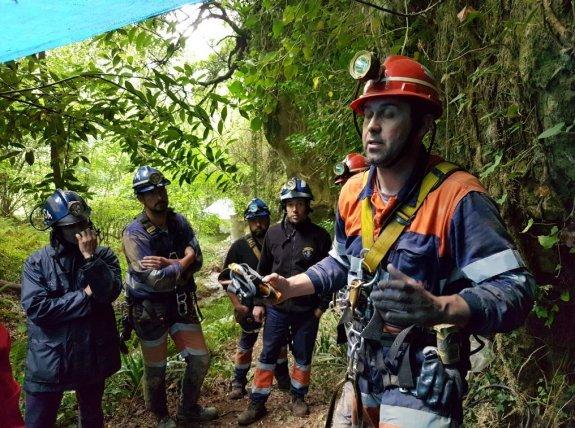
403,301
437,384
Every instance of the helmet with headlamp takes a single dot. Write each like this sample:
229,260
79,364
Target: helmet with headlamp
295,188
352,164
64,208
147,179
397,76
256,208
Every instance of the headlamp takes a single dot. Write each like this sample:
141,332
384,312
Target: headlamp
75,208
253,208
291,184
155,178
340,169
364,66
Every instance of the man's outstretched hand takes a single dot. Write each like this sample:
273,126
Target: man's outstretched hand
278,283
404,301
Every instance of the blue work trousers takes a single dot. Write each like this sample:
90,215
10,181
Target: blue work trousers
301,329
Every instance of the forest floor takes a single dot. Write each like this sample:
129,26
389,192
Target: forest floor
131,412
124,409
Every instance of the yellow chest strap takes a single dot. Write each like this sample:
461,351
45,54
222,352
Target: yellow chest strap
376,251
252,243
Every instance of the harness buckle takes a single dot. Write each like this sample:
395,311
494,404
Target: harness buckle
182,302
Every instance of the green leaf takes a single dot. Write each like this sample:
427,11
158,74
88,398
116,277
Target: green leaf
236,88
457,98
256,124
529,224
290,71
486,172
289,14
277,28
547,241
565,296
502,199
9,155
554,130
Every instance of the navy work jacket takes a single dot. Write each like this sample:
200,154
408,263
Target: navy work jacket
73,338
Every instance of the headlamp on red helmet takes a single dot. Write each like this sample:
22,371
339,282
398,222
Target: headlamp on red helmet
397,76
351,165
365,66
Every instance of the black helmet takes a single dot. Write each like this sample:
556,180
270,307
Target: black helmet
256,208
65,207
147,178
295,188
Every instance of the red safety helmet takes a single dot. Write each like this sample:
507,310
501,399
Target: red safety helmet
403,77
351,165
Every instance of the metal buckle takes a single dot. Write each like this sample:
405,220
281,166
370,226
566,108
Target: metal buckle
181,299
357,347
354,290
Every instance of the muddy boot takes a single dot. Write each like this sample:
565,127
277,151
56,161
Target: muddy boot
166,422
189,411
254,412
238,390
155,391
298,406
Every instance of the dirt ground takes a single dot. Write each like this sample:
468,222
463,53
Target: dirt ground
279,414
130,412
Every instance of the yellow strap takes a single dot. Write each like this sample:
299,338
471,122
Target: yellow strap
366,217
254,247
378,250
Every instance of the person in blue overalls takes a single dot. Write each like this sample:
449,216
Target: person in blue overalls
289,248
163,254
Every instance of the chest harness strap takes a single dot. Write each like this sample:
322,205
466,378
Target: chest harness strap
378,249
252,243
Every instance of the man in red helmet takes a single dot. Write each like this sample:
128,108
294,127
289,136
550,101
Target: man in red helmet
425,255
352,164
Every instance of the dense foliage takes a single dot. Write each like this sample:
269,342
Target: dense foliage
272,102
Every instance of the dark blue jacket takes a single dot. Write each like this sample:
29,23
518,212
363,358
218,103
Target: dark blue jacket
290,249
73,339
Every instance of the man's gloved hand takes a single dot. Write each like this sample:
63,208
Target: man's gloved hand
403,301
437,384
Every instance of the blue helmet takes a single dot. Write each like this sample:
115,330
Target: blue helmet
295,188
65,207
256,208
147,178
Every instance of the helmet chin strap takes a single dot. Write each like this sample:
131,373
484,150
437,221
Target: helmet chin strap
355,121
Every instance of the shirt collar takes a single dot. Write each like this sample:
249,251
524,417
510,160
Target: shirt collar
421,167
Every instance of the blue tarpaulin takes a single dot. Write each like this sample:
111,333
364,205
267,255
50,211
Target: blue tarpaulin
30,26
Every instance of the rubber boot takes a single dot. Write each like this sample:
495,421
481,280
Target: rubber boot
189,411
298,406
238,390
155,391
254,412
